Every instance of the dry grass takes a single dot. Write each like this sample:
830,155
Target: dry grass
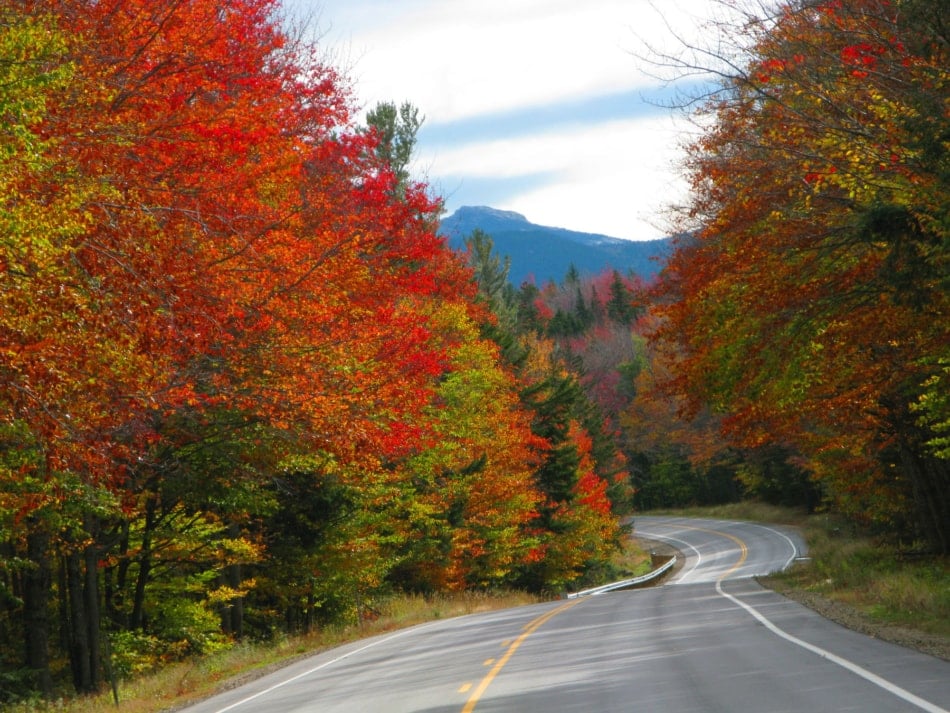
846,567
753,511
877,579
631,561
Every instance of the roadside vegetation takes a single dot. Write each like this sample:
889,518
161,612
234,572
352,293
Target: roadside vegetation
182,683
890,592
247,392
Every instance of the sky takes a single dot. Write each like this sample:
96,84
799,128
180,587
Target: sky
535,106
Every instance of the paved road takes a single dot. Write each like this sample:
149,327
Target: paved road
708,640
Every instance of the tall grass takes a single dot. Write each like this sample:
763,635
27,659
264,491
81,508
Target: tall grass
887,584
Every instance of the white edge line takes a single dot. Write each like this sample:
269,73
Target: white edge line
844,663
308,672
788,539
892,688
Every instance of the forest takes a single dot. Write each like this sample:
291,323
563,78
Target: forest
246,388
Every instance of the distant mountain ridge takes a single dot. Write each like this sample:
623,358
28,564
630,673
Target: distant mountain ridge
542,253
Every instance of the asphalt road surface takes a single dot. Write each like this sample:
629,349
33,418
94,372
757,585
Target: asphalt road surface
709,639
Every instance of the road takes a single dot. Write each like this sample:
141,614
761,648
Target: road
709,639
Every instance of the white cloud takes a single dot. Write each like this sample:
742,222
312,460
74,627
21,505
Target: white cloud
614,178
459,60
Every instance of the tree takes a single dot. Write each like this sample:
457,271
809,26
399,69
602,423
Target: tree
810,302
39,296
206,274
395,132
621,306
473,500
581,476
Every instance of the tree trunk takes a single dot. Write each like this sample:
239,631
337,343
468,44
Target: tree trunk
137,618
79,659
927,476
91,601
115,603
233,614
36,589
930,479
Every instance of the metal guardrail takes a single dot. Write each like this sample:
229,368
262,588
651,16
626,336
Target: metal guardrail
624,583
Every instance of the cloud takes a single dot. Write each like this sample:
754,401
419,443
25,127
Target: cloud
457,59
536,106
612,177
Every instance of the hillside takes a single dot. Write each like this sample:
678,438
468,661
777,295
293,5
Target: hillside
541,253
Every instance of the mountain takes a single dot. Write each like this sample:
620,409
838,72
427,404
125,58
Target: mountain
541,253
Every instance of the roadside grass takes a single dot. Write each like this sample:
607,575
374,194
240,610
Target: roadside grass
886,584
630,561
890,585
180,684
849,567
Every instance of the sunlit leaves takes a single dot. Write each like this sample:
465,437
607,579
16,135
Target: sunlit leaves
238,366
473,489
811,300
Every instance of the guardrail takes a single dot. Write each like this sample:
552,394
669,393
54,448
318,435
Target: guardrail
624,583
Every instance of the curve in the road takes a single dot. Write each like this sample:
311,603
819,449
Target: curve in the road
661,529
687,645
709,557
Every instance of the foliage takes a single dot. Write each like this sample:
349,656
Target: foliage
808,306
933,407
582,475
473,494
245,389
395,133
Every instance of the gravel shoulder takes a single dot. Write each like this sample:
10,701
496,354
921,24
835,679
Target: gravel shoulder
856,620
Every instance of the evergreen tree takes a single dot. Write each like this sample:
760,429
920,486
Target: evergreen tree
396,131
620,307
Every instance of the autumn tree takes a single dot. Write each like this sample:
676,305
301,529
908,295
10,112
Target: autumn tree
810,300
582,476
53,376
208,281
473,498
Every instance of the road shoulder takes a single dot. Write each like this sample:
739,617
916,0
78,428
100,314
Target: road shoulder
852,618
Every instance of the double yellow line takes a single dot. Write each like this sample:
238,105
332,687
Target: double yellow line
529,629
743,549
535,624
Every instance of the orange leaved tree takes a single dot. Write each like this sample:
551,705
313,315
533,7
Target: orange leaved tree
810,299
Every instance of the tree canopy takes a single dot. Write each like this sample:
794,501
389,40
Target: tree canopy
243,383
809,303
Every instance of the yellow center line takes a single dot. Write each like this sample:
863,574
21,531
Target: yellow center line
533,626
528,630
743,549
